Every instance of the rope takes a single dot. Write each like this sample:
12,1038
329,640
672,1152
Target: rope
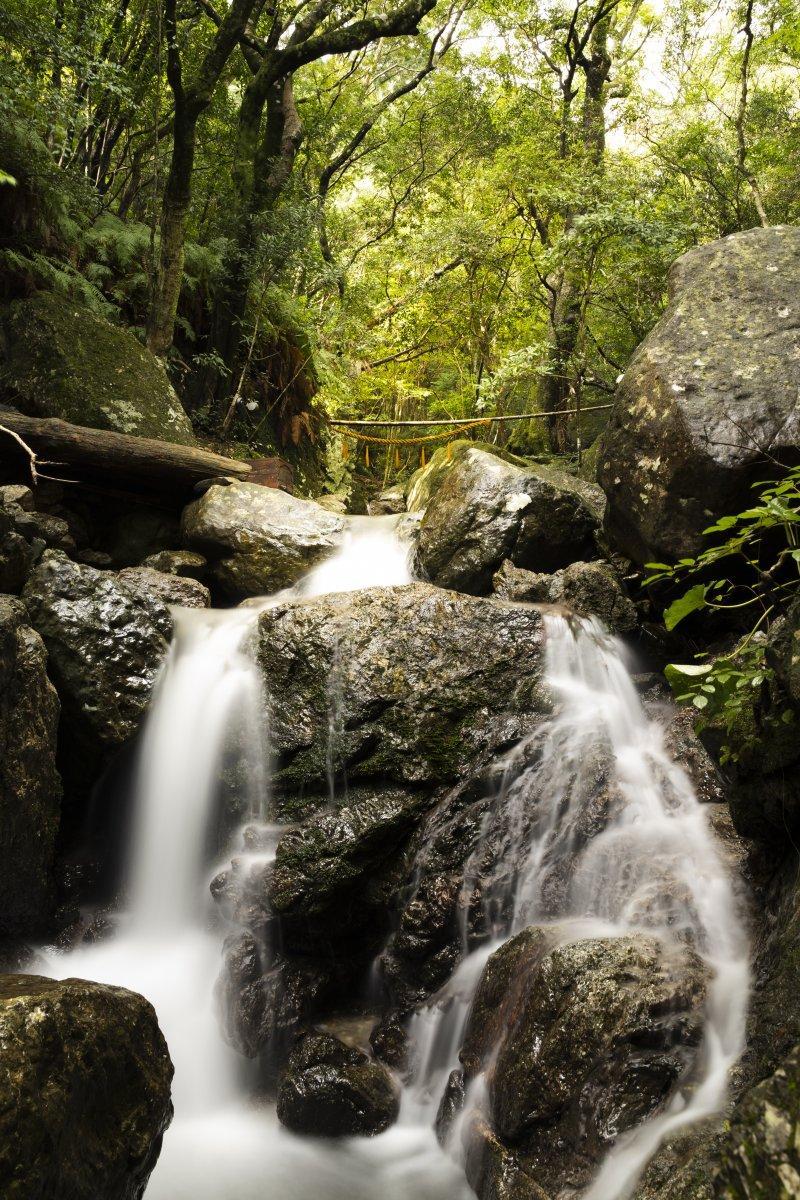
412,441
467,421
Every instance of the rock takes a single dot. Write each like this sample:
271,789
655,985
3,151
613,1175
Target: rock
409,684
330,1089
16,556
709,395
427,480
184,563
84,1090
30,789
258,539
517,584
105,641
493,1171
760,1155
262,1005
783,651
19,494
486,510
391,1044
592,1037
51,531
590,589
333,862
63,360
390,502
165,589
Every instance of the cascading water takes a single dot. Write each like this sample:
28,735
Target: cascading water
653,866
207,718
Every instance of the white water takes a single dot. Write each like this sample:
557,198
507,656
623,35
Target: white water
208,705
653,868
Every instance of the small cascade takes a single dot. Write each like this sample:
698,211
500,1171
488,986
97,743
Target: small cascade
652,865
645,861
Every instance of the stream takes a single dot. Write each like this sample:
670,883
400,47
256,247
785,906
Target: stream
654,867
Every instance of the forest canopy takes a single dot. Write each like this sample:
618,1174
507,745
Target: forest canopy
390,208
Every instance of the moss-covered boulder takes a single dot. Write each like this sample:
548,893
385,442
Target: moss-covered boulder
486,510
412,685
84,1090
30,789
60,359
760,1156
709,398
580,1042
330,1089
258,539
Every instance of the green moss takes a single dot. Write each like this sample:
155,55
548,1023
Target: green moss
62,360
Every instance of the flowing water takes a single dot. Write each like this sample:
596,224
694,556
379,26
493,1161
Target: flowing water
653,867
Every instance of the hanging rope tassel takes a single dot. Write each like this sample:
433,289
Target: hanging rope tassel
345,449
449,453
422,456
397,457
366,455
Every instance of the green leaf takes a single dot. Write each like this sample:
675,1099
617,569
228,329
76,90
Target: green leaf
690,602
700,701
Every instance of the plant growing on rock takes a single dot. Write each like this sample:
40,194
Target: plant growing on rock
751,566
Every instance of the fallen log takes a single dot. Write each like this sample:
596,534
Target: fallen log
46,448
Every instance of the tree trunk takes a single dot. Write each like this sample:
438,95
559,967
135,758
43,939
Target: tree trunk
175,211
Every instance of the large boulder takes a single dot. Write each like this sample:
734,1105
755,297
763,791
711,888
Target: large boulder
409,684
106,637
59,359
258,539
709,400
30,789
84,1090
330,1089
486,510
590,589
760,1155
580,1041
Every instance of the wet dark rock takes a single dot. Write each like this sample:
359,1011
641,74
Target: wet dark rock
16,555
760,1155
334,863
493,1171
63,360
262,1004
709,397
590,589
330,1089
390,1042
258,539
409,684
783,651
392,501
593,1037
30,789
19,494
450,1106
166,589
105,641
486,510
84,1090
185,563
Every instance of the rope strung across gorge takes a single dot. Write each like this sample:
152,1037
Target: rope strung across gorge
454,427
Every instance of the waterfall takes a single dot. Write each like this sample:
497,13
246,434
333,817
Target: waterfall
653,867
207,721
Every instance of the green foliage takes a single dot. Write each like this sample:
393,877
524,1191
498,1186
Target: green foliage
756,556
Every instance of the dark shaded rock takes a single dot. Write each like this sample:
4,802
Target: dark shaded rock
709,398
19,494
760,1155
263,1006
105,641
185,563
590,589
783,651
165,589
390,502
330,1089
450,1106
338,857
16,555
84,1090
493,1171
486,510
30,789
63,360
411,684
390,1042
53,532
593,1037
258,539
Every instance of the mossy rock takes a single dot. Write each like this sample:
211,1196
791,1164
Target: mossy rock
59,359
